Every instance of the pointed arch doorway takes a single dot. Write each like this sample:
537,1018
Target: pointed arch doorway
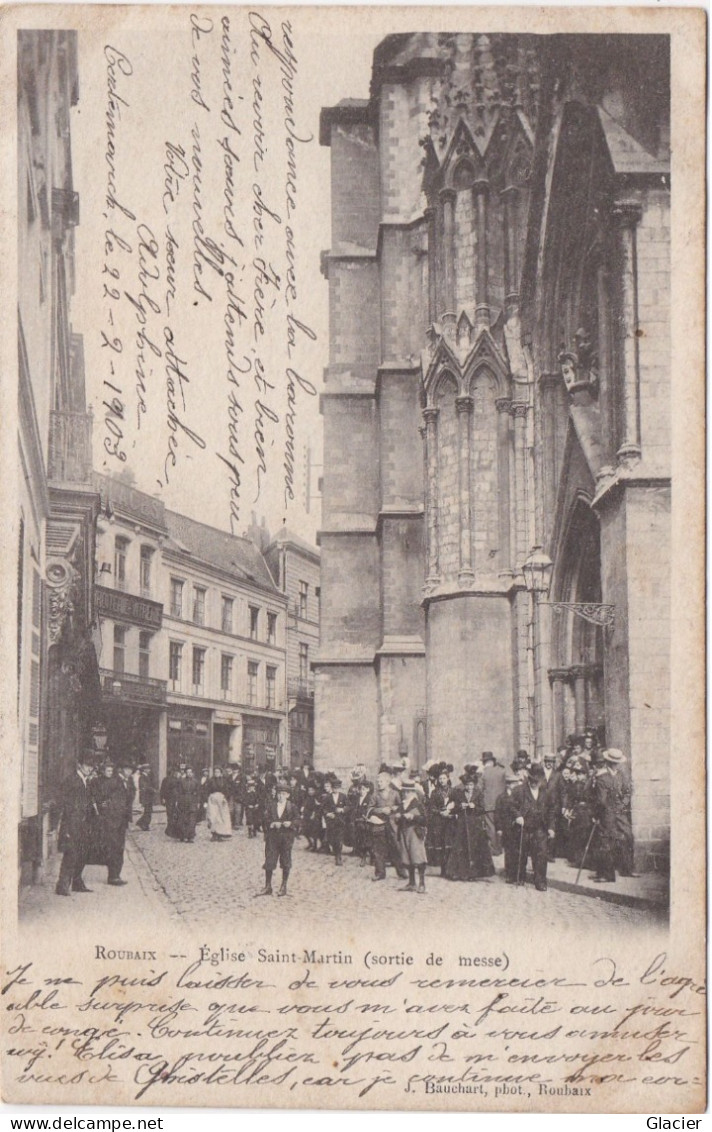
578,646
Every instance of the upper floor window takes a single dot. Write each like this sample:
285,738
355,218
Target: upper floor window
271,675
272,628
198,669
146,557
253,670
317,595
119,648
175,663
303,598
226,674
144,653
176,597
199,605
303,661
227,608
254,622
121,545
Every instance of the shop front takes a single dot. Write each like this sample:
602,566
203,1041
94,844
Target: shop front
260,743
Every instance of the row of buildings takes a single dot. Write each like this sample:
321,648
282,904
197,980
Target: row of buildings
139,630
496,495
205,642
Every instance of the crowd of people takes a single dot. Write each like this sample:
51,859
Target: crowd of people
575,805
97,809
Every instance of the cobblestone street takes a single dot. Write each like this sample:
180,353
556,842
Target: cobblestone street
217,881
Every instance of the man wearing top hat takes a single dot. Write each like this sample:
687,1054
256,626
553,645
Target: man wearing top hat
535,818
520,764
281,820
333,807
74,826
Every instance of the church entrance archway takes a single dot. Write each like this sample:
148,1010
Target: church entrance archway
578,643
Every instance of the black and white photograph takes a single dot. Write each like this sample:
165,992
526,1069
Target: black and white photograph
353,556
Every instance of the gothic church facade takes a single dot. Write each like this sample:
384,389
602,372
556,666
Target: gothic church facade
496,407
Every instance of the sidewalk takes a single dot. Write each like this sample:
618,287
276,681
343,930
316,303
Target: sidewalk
650,890
141,897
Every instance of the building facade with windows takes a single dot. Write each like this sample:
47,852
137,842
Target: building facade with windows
57,678
296,568
193,632
497,406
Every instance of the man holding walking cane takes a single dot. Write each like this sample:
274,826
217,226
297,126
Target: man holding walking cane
536,819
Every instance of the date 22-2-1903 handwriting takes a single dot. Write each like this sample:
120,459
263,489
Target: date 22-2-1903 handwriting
371,1024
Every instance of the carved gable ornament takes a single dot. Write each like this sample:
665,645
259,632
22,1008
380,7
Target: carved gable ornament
579,365
462,349
61,579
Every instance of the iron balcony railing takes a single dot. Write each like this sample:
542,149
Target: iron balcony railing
128,687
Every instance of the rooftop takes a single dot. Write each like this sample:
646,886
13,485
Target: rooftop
235,555
285,536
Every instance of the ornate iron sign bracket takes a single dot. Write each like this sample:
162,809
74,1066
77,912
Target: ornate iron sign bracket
594,613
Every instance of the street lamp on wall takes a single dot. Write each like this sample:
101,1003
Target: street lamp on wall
537,570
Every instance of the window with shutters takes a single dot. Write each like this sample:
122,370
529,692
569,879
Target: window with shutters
144,654
271,687
20,596
31,761
253,670
227,607
199,605
175,661
198,669
254,622
226,675
146,559
119,648
121,545
176,597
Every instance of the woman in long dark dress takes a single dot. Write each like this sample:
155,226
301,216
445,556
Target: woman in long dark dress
311,817
441,820
470,857
187,806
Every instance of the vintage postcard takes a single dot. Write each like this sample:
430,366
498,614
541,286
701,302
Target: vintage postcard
353,533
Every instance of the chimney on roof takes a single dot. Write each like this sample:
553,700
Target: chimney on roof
258,533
